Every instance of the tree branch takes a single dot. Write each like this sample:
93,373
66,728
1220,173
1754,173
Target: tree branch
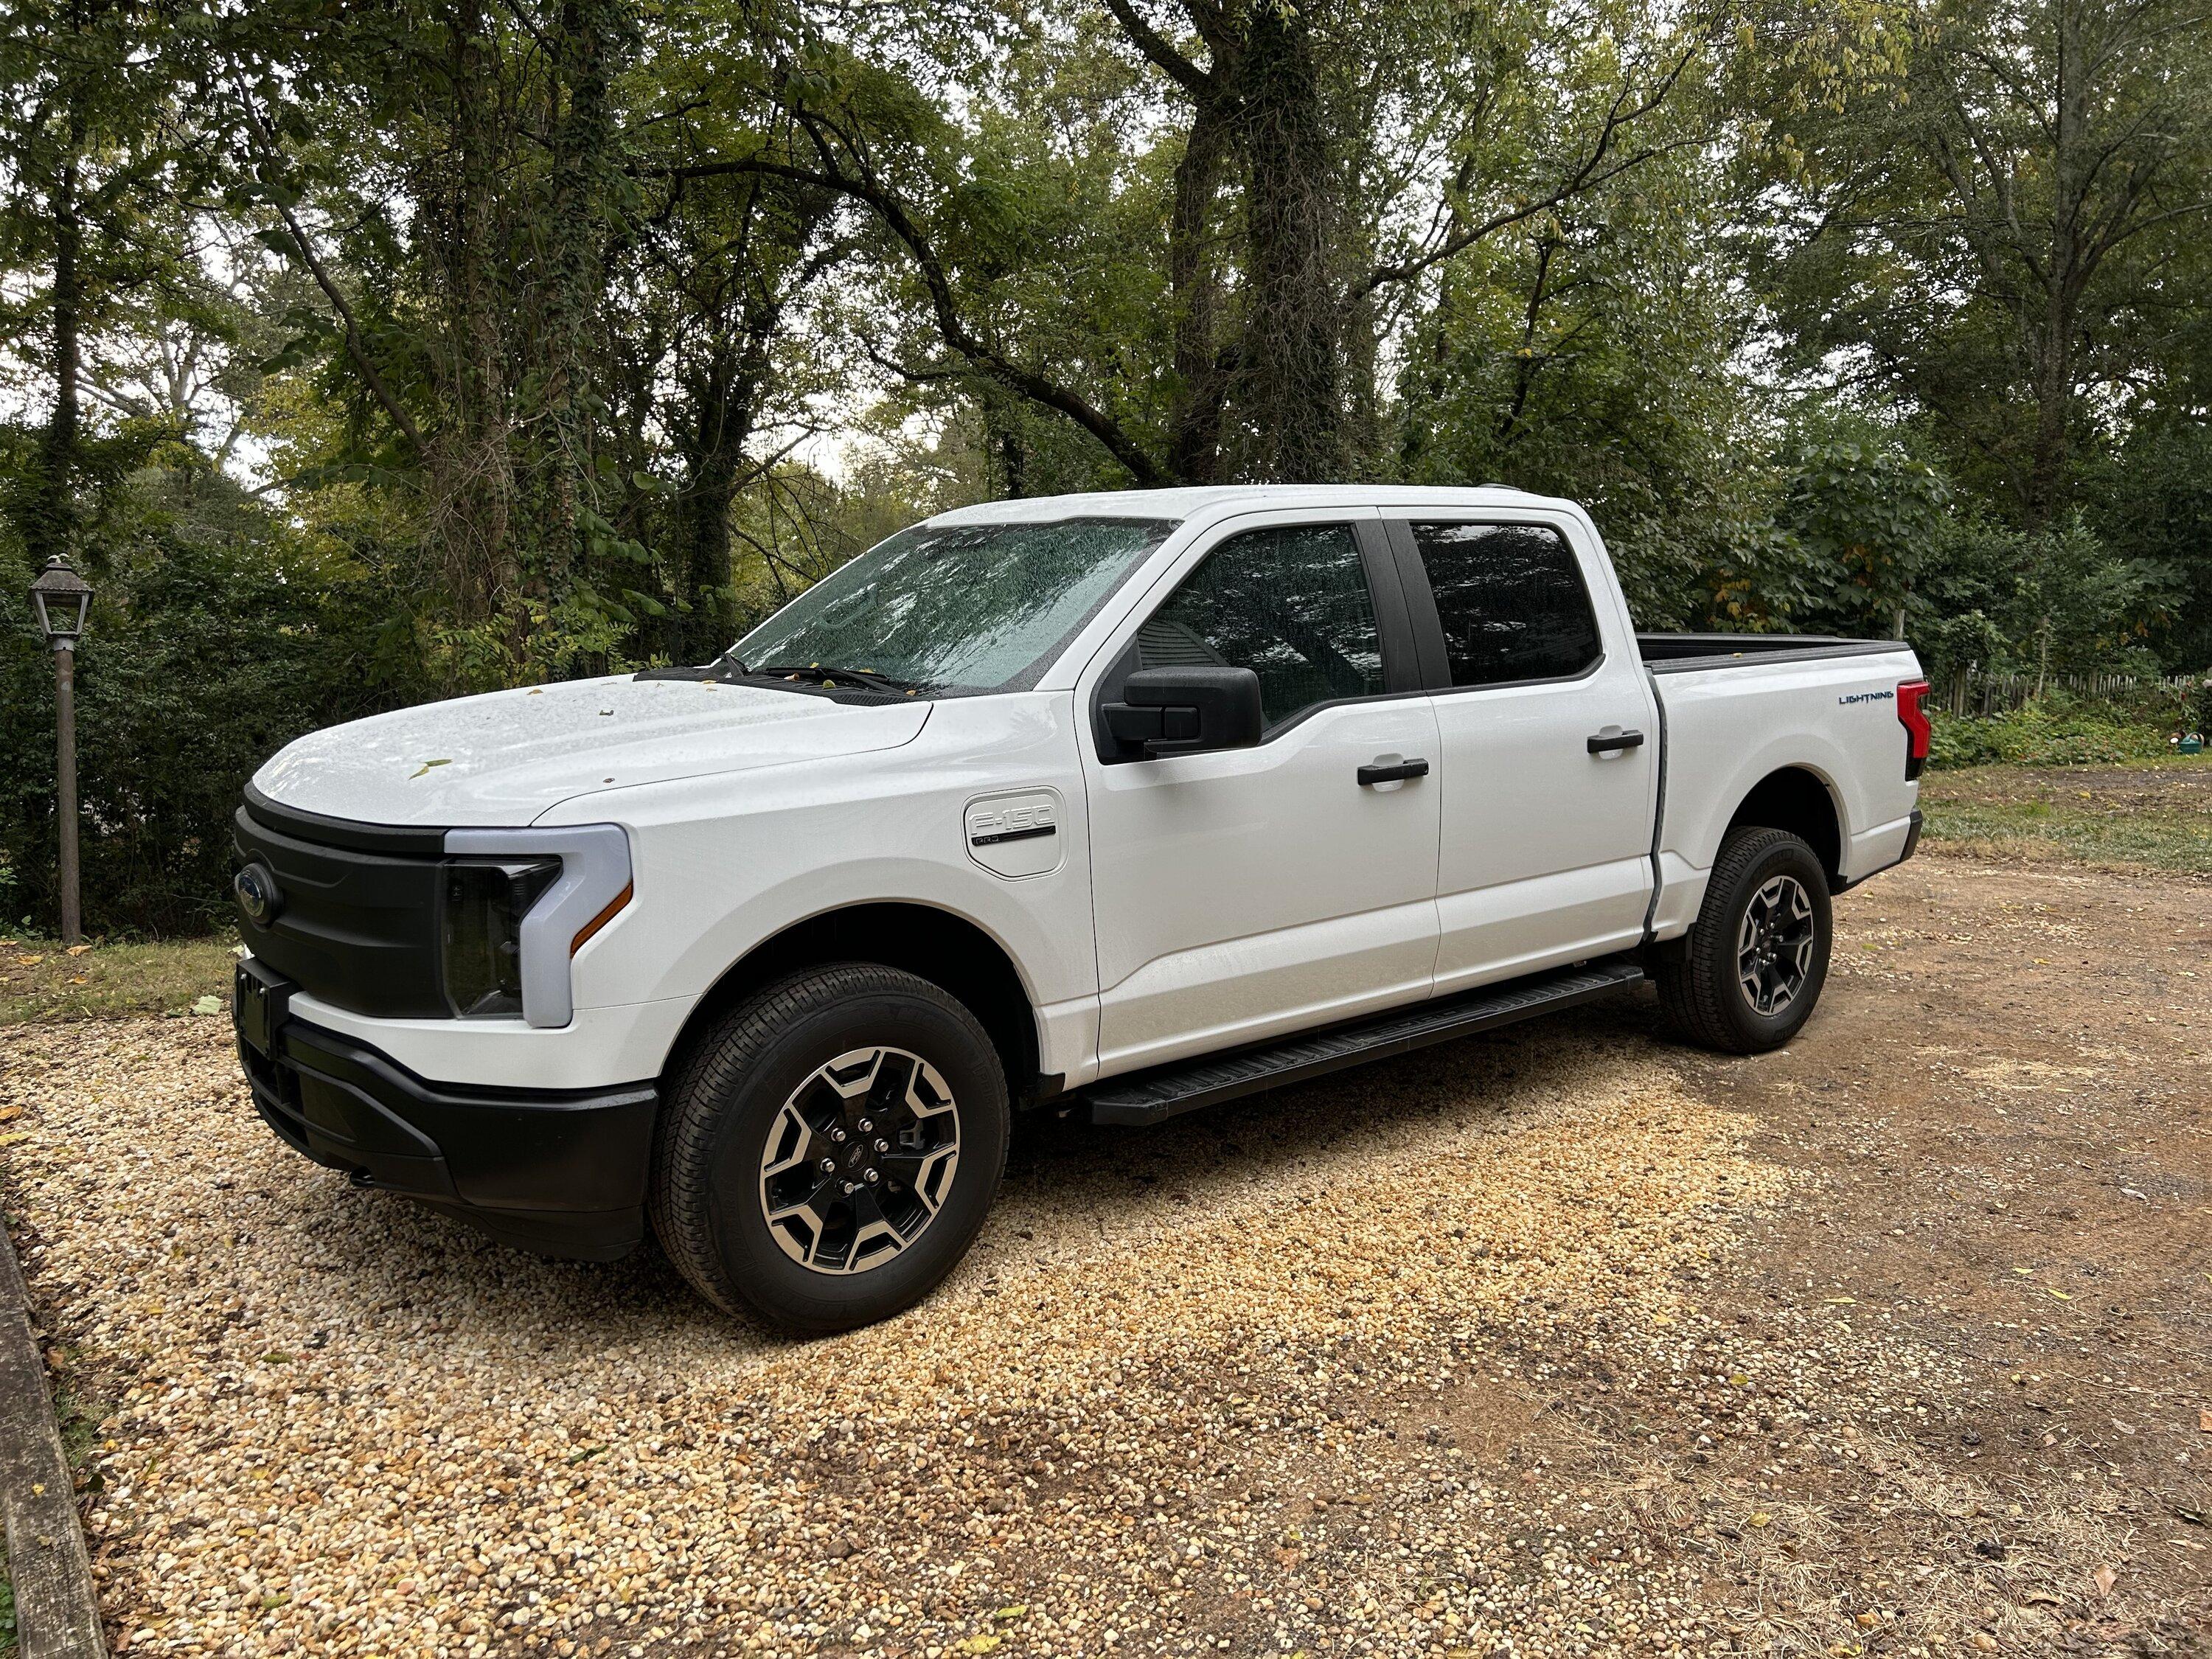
356,348
1156,47
1591,173
865,188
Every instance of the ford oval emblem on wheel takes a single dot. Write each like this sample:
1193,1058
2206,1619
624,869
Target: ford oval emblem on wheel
258,894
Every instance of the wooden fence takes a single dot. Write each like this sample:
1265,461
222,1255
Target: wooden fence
1971,692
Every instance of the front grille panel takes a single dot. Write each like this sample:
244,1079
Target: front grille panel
357,929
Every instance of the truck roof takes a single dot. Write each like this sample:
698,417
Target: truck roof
1184,503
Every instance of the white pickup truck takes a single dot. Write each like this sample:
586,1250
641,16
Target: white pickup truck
1128,803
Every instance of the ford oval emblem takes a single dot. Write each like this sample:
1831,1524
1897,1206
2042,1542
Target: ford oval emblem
258,895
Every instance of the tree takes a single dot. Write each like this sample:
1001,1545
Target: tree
1269,226
1983,215
93,160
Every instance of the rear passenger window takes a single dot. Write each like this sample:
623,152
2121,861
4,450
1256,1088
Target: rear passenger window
1291,603
1511,599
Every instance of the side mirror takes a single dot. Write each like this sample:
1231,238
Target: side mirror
1184,711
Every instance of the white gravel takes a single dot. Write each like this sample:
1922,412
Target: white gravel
1328,1373
342,1424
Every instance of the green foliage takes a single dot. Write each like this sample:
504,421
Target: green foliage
215,639
2045,735
2150,502
563,335
1867,514
1585,356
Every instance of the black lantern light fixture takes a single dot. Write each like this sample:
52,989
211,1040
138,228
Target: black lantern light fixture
62,598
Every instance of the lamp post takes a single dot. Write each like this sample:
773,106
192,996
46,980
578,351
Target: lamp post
61,598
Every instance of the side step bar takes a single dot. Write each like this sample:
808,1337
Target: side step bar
1170,1091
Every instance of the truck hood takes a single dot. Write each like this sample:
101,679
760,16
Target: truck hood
504,758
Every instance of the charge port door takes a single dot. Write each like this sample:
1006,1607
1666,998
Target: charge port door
1016,834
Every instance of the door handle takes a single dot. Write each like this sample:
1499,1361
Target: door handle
1395,772
1601,745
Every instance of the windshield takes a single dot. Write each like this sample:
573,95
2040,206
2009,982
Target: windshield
977,607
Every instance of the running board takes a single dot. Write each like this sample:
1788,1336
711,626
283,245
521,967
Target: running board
1170,1091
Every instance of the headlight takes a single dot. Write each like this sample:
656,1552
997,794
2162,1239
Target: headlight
483,905
518,904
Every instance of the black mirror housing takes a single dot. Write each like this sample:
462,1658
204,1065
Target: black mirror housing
1184,711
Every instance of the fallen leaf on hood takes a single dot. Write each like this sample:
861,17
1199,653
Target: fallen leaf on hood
2104,1579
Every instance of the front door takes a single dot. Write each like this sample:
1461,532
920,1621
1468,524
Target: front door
1549,747
1251,892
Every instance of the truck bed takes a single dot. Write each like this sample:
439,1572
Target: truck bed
1677,654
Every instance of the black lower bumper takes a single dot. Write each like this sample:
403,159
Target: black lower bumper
561,1172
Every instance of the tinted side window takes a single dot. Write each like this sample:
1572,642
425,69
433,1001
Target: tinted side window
1511,599
1291,603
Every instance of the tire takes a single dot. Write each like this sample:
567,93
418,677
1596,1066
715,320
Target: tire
1704,989
750,1113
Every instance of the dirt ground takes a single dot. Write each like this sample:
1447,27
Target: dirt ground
1565,1341
2129,820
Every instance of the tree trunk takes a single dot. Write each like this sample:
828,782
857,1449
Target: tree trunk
724,404
470,466
2053,352
570,288
54,505
1291,379
1195,280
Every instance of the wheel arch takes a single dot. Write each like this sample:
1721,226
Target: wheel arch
930,942
1800,800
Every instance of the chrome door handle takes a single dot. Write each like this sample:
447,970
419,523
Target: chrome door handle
1392,772
1601,745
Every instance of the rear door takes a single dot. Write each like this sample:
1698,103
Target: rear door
1251,892
1548,742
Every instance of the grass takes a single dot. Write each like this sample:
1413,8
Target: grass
2133,817
41,981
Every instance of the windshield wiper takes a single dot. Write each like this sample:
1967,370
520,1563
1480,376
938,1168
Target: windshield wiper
825,674
726,670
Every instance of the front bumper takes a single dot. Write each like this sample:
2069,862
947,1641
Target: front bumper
560,1172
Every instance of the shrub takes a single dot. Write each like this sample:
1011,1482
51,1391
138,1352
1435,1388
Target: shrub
215,639
2045,734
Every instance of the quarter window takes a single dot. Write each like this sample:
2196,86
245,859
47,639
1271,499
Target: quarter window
1291,603
1511,599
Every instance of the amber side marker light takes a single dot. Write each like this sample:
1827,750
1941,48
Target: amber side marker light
614,909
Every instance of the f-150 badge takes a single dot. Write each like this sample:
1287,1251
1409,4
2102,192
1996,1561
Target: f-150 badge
1016,834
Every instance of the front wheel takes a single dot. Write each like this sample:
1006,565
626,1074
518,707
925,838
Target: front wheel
1753,967
827,1154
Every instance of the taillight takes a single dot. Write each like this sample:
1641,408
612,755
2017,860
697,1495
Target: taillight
1912,713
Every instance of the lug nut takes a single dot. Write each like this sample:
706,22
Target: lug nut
873,1177
829,1166
883,1145
851,1186
838,1135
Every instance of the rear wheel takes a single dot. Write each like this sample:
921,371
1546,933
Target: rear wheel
828,1153
1753,968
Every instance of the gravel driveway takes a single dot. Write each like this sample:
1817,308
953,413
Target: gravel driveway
1560,1342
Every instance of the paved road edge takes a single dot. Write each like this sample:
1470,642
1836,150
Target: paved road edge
57,1612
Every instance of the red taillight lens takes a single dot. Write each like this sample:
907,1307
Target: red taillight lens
1912,713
